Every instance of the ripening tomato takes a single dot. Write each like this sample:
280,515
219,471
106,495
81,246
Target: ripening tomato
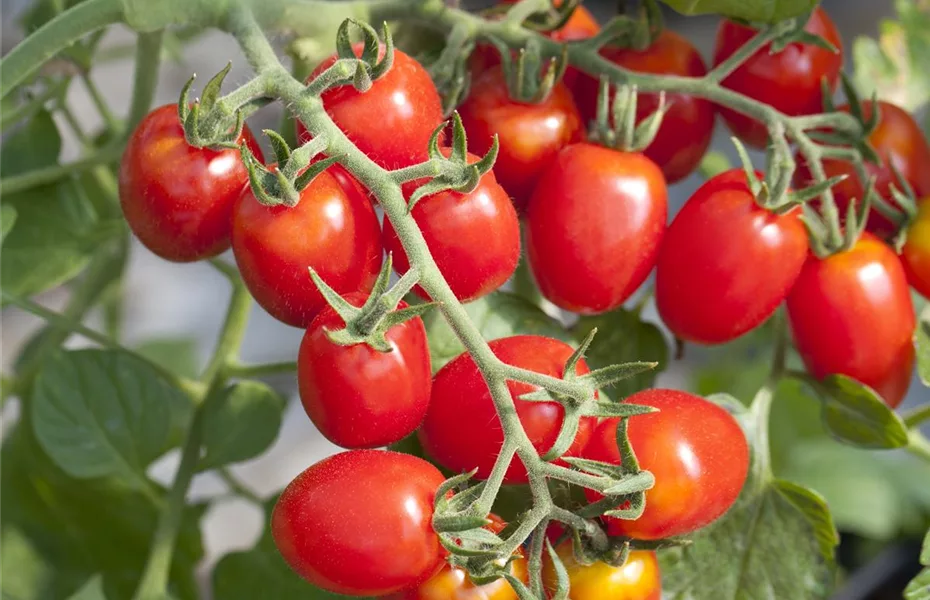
688,125
330,229
851,314
474,238
462,430
697,453
176,198
915,256
360,523
726,263
788,81
593,226
637,579
530,135
392,122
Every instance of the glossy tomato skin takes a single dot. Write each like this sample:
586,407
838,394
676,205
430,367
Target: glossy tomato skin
474,238
915,256
594,224
453,583
726,263
637,579
530,135
688,125
697,453
359,523
330,229
359,397
462,430
788,81
392,122
851,313
178,199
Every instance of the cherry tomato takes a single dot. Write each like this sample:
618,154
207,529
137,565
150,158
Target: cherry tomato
637,579
915,255
697,453
530,135
788,81
593,226
474,238
331,230
726,263
360,523
176,198
392,122
851,313
462,430
688,125
453,583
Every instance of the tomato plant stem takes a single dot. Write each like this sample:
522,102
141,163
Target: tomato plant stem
917,416
148,59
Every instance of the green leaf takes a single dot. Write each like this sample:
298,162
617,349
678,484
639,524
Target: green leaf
34,146
93,590
855,414
178,355
762,11
240,423
7,219
922,339
919,587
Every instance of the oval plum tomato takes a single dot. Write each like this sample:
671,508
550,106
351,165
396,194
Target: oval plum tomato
360,523
392,122
530,135
474,238
898,141
688,125
788,81
851,314
178,199
637,579
726,263
330,229
594,224
359,397
915,256
695,449
462,430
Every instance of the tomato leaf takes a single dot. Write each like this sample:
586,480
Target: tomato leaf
855,414
919,587
92,590
240,423
34,146
922,339
7,219
761,11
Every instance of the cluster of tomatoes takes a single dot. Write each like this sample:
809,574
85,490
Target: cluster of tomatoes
359,522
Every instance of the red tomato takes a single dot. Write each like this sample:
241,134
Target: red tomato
474,238
726,263
637,579
593,226
359,397
360,523
689,123
695,449
331,230
176,198
462,430
530,135
788,81
851,313
915,255
393,121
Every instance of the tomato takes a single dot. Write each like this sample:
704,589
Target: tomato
462,430
915,256
530,135
697,453
851,313
176,198
330,229
359,397
360,523
688,125
594,224
726,263
452,583
898,141
474,238
637,579
788,81
392,122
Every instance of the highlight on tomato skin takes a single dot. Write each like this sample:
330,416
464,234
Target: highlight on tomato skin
637,579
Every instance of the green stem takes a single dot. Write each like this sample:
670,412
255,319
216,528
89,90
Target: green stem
28,108
109,119
18,183
253,371
761,406
746,51
148,59
918,445
917,416
230,340
238,488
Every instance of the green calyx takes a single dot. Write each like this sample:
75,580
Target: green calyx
531,75
615,124
359,71
206,121
283,184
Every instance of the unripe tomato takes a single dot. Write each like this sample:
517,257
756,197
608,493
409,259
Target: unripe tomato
788,81
851,313
332,230
593,226
915,256
697,453
462,430
176,198
688,125
637,579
